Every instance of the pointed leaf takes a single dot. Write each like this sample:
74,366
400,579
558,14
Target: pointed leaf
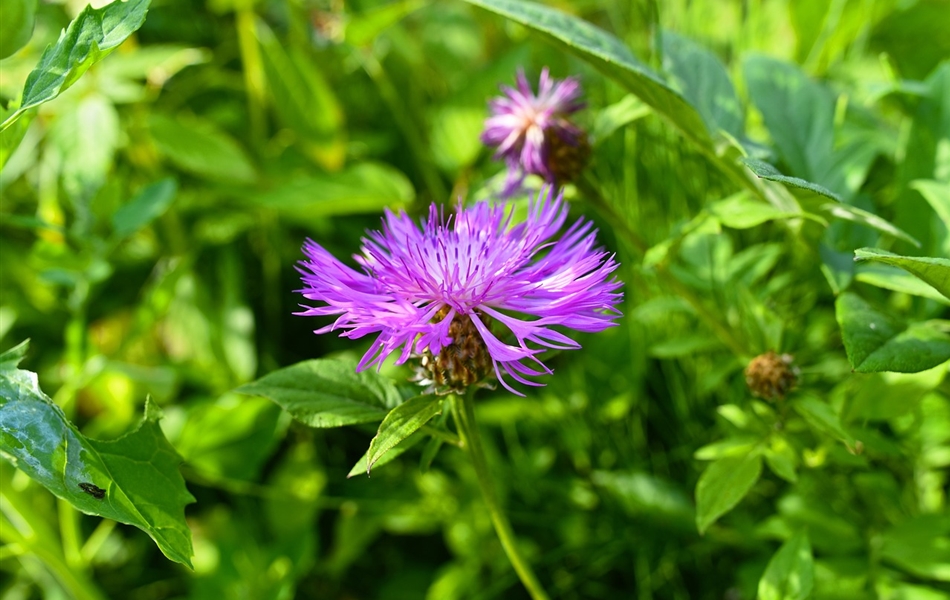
723,484
847,212
16,27
149,204
766,171
327,393
790,574
133,479
876,341
89,38
400,423
610,56
822,417
935,271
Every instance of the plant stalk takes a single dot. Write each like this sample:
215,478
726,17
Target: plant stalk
464,415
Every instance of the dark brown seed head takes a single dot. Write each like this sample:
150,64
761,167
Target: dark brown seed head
567,160
463,363
771,376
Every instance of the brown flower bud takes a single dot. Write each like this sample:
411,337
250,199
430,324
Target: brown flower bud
771,376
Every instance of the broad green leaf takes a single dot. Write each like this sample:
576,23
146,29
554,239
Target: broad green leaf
876,341
149,204
782,459
363,188
327,393
847,212
934,271
647,495
89,38
16,26
766,171
799,114
702,79
790,574
937,194
729,447
133,479
920,546
610,56
617,115
400,423
822,417
723,484
198,147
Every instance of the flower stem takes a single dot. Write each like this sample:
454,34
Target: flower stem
464,415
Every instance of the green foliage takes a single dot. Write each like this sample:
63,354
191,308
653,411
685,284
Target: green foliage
771,176
133,479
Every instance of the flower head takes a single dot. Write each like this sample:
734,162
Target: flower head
533,134
442,292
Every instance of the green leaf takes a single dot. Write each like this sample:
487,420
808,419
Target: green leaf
847,212
876,341
799,114
198,147
10,359
822,417
897,280
703,80
133,479
360,468
617,115
363,188
400,423
764,170
86,135
610,56
934,271
790,574
937,194
920,546
742,211
16,26
89,38
363,28
723,484
149,204
327,393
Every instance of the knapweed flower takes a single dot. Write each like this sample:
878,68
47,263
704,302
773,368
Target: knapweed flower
470,294
533,133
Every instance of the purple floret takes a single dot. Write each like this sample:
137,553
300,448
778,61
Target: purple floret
523,126
474,264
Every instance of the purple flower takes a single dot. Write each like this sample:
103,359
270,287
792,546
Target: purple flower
441,292
532,132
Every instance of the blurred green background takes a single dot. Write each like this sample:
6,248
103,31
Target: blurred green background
152,215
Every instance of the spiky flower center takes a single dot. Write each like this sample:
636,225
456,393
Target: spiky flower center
771,376
459,365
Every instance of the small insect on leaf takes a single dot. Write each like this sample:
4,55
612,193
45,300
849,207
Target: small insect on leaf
93,490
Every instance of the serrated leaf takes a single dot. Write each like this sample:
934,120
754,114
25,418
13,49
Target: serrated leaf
400,423
89,38
200,148
790,574
764,170
150,203
934,271
133,479
875,341
327,393
723,484
609,55
822,417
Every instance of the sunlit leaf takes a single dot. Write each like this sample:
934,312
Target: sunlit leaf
198,147
16,26
790,574
150,203
934,271
723,484
133,479
400,423
91,36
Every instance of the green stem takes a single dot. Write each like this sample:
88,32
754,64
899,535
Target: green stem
464,415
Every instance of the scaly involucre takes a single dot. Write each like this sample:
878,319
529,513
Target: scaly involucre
477,265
